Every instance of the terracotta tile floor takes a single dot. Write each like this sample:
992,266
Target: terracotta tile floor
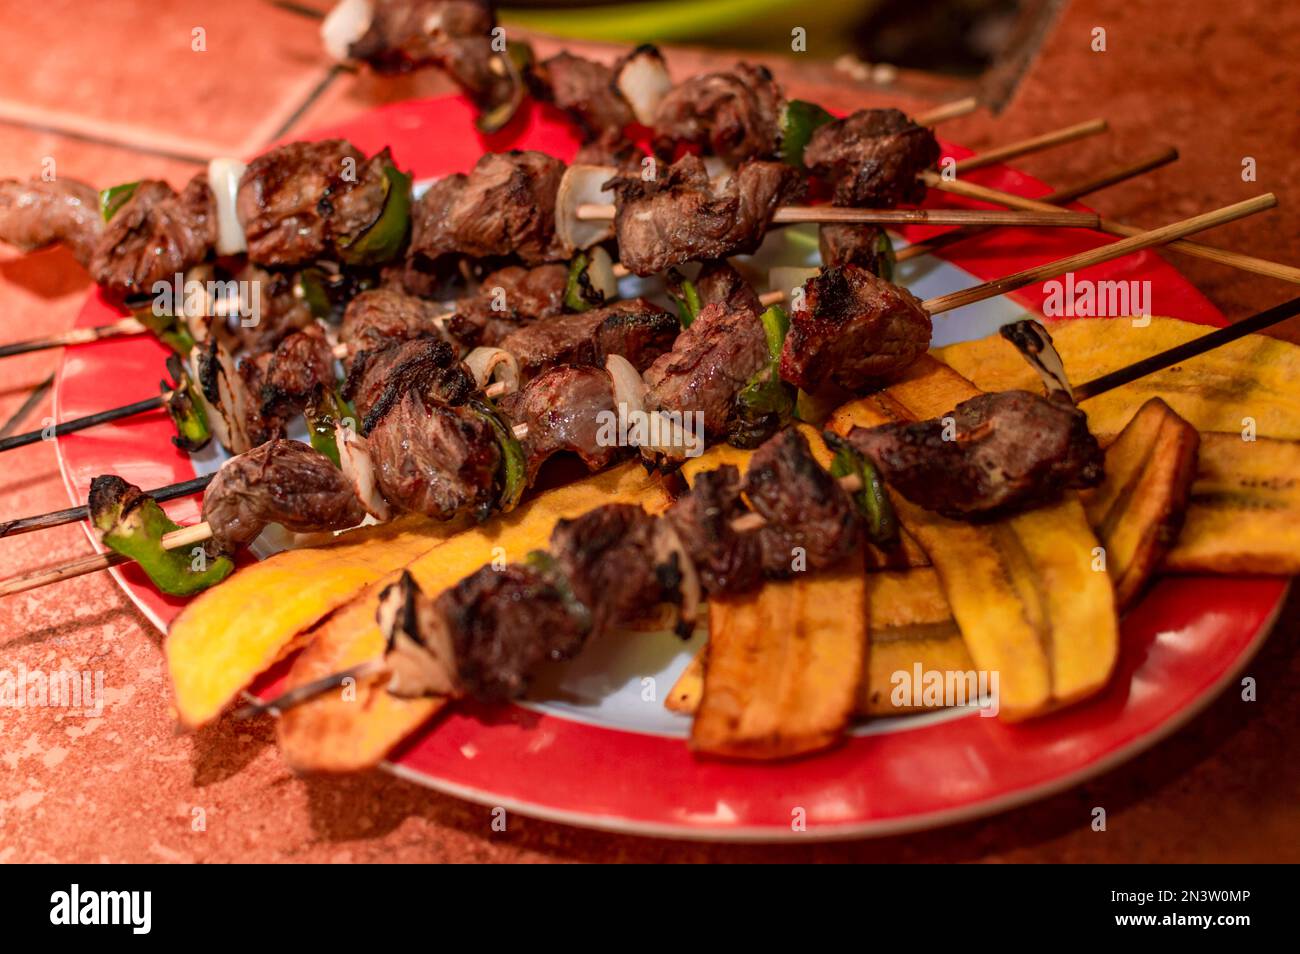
113,92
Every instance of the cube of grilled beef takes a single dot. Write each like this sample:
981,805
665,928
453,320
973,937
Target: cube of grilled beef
299,376
432,458
562,409
872,158
681,216
854,329
299,201
504,623
734,114
37,213
508,299
282,482
615,561
155,234
609,148
727,559
811,520
378,379
636,329
719,282
585,90
261,421
380,317
505,206
993,455
866,246
280,312
453,35
709,364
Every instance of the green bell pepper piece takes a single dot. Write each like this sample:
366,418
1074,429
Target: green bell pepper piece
131,523
872,499
514,465
799,120
384,238
185,407
114,197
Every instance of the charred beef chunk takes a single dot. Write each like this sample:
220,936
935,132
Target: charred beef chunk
282,482
719,282
636,329
377,379
804,505
432,458
854,329
300,374
585,90
298,200
993,455
610,148
280,312
36,213
561,407
872,158
155,234
508,299
505,206
260,420
682,217
506,623
613,559
735,115
725,558
862,245
709,364
454,35
381,317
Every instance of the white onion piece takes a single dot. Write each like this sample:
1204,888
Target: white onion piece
629,387
644,81
600,273
228,420
582,185
786,278
718,171
359,470
216,420
223,180
344,25
487,363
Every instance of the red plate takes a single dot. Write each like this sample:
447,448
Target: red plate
1185,642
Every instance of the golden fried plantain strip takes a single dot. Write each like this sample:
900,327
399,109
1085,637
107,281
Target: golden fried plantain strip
227,636
910,624
1030,602
1138,509
1253,377
784,666
355,727
1244,515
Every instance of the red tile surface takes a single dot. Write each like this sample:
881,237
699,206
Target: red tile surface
128,71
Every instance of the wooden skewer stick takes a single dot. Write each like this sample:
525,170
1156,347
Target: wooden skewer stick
790,214
1057,137
1160,236
1058,197
12,528
1247,263
127,326
81,423
947,111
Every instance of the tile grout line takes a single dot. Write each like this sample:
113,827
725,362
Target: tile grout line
80,136
317,91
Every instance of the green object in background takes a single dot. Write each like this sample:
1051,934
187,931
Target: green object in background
734,23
